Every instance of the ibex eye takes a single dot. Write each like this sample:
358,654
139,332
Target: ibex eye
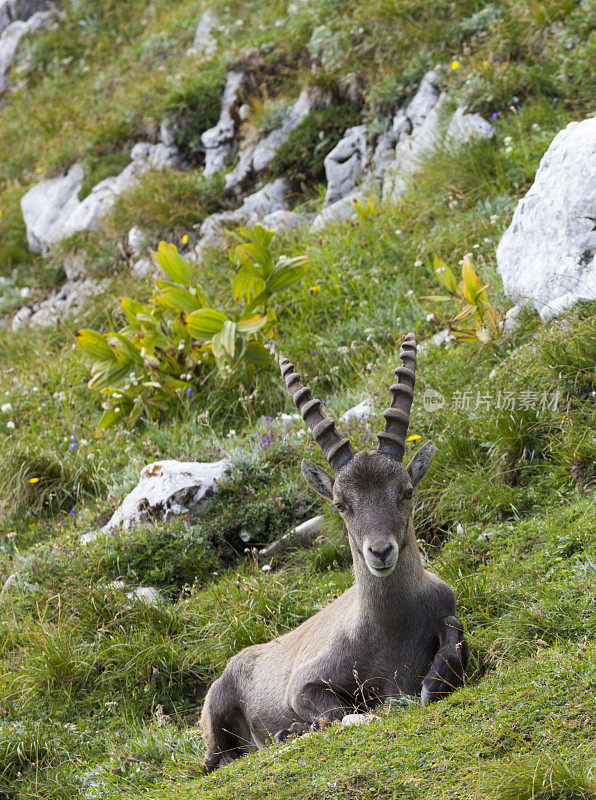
408,493
340,507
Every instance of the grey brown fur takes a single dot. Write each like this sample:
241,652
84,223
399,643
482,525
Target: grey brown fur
393,633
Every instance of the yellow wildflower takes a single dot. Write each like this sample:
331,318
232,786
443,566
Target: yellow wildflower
485,64
413,438
39,169
315,288
454,64
185,239
33,480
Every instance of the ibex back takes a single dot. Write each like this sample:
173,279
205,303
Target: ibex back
393,633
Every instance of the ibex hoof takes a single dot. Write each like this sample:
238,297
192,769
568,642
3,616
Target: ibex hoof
295,729
425,697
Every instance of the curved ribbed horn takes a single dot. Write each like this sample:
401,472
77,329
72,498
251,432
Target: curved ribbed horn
337,449
392,440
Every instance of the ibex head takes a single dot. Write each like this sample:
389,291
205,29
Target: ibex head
371,490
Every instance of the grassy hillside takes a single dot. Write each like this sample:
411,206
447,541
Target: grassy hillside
99,694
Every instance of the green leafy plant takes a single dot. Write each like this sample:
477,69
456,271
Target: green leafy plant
176,342
473,301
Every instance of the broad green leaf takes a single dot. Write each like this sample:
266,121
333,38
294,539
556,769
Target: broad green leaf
286,274
177,299
131,308
95,344
445,275
136,412
217,347
228,337
113,375
108,418
124,349
257,354
204,323
261,257
436,298
247,283
172,263
251,324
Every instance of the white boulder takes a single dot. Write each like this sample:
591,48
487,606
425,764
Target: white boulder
464,127
218,140
255,158
272,197
167,488
345,164
47,206
415,133
10,39
204,43
359,413
546,256
52,211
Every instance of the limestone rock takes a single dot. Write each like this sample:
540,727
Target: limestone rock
70,298
168,488
12,10
340,210
137,241
10,39
52,211
414,133
351,720
47,206
218,140
255,158
272,197
464,127
204,43
281,220
546,256
359,413
345,164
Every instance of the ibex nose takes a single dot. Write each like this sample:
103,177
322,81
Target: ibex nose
381,554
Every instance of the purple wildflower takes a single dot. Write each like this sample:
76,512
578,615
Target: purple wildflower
189,392
73,446
495,115
73,511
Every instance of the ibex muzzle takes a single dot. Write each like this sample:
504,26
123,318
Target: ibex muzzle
393,633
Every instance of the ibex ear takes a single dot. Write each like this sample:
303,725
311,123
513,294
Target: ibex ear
420,463
318,479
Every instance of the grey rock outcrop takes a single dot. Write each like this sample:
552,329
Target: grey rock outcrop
204,43
464,127
52,211
547,255
346,163
272,197
166,488
47,206
414,132
69,299
11,36
255,158
281,220
359,413
13,10
218,141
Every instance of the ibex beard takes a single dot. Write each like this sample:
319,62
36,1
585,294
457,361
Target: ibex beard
393,633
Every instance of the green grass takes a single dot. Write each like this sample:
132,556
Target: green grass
99,694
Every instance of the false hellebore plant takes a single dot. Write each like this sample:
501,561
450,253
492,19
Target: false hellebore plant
175,342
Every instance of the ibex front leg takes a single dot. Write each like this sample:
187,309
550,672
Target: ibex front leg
450,661
315,704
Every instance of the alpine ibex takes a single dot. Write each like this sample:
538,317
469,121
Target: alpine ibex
393,633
